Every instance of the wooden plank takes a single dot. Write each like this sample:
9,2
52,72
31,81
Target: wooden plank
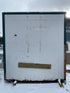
34,65
61,85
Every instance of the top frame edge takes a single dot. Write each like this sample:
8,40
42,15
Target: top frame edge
12,13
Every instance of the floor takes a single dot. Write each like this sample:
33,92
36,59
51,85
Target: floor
6,87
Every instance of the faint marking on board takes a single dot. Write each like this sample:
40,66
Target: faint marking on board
40,37
27,41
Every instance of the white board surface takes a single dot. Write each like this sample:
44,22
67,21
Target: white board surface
39,39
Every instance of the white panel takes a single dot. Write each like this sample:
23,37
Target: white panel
40,39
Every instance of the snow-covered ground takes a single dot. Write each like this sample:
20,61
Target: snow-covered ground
67,67
6,87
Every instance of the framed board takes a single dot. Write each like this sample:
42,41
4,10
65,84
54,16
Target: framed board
34,45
